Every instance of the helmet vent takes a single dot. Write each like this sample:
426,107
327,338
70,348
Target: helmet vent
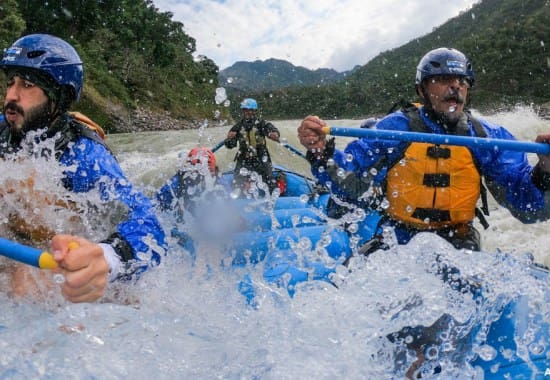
435,64
35,53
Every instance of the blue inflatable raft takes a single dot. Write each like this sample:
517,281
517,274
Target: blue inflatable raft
279,233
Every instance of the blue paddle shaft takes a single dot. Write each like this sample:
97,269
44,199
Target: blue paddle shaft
20,252
218,146
293,150
471,142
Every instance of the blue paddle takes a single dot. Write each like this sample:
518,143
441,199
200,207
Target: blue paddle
471,142
286,145
293,150
218,146
27,255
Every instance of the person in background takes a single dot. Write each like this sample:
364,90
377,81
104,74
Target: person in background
431,187
189,182
44,78
250,134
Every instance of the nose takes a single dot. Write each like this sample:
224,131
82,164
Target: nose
454,82
12,94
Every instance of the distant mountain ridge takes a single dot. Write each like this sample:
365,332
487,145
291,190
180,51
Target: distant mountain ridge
506,40
273,74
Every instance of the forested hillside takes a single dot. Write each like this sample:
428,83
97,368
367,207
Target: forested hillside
134,55
138,58
273,74
506,39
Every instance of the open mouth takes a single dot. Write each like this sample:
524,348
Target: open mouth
11,112
11,115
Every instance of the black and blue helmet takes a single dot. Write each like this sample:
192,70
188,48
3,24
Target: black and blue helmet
249,104
444,61
50,55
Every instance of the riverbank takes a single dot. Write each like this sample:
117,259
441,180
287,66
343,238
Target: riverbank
144,120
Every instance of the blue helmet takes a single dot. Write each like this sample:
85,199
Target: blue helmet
444,61
249,104
43,53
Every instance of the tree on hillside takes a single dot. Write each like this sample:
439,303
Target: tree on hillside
133,53
11,23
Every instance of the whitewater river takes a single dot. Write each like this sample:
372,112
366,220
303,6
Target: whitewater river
186,319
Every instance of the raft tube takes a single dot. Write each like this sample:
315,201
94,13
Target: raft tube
251,247
296,184
318,201
282,218
516,323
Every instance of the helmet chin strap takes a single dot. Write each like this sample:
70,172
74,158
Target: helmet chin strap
55,111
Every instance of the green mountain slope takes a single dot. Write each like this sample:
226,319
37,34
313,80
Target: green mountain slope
273,74
137,58
506,39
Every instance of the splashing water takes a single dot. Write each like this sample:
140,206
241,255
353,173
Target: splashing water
186,318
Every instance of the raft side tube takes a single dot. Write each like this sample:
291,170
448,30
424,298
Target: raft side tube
285,270
535,360
251,247
281,218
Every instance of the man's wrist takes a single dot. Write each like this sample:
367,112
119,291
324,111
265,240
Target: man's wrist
113,261
541,178
321,152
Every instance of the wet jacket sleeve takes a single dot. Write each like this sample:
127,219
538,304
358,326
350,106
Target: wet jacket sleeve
512,180
232,143
351,172
139,239
166,196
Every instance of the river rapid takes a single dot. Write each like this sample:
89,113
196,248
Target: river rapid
186,318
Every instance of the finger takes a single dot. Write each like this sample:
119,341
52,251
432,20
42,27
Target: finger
88,291
82,256
61,242
86,279
86,284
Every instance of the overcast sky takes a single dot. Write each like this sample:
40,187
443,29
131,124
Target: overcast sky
337,34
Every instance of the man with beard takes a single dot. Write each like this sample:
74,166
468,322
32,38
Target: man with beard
253,156
431,187
44,78
424,187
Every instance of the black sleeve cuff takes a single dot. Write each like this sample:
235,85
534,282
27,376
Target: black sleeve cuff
318,159
540,178
121,246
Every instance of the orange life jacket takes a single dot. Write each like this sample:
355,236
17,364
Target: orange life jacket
89,123
433,186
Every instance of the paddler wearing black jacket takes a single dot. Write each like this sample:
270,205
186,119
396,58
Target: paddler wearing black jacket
250,134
